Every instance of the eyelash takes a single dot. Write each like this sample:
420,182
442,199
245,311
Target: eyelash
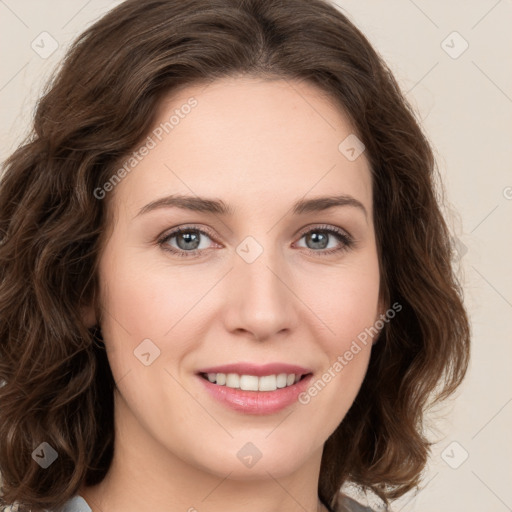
347,241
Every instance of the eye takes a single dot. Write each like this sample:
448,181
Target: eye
187,239
319,238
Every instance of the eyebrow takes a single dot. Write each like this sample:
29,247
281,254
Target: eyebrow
219,207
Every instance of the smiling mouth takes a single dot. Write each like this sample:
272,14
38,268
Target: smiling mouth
253,382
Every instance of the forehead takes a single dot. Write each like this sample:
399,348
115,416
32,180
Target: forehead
254,143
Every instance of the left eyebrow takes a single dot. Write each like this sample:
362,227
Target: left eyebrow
318,204
219,207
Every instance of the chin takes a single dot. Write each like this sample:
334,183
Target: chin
254,460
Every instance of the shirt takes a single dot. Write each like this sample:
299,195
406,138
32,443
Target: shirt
78,504
75,504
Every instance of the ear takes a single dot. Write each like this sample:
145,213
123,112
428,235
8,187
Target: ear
382,307
88,316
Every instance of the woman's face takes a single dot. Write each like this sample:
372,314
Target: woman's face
264,283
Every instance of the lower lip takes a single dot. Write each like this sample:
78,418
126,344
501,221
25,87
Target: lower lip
257,402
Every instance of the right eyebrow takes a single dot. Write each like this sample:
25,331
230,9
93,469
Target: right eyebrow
196,204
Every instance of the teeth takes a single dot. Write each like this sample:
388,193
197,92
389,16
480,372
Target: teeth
233,380
281,380
252,382
267,383
249,383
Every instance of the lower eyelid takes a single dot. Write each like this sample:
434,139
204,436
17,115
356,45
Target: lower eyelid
173,234
345,239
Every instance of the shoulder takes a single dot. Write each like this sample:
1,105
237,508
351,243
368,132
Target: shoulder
78,504
75,504
346,504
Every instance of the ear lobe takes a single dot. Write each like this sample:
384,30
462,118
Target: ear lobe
382,309
88,316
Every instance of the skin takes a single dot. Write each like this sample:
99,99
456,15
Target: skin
259,146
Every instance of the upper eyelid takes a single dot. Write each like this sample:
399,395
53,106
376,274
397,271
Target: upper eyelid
323,227
206,231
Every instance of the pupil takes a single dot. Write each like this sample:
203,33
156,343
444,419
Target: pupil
189,237
318,239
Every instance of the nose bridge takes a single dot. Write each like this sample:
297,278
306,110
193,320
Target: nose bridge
260,300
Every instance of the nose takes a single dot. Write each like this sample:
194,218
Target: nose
260,300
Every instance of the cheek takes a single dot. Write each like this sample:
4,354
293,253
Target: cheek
145,301
346,304
349,309
345,301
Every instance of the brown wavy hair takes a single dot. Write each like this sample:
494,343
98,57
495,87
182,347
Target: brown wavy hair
58,387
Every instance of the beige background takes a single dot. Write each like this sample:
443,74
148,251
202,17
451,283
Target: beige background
466,107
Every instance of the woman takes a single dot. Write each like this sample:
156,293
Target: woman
226,280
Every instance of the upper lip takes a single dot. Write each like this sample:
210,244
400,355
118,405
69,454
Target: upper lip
256,369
